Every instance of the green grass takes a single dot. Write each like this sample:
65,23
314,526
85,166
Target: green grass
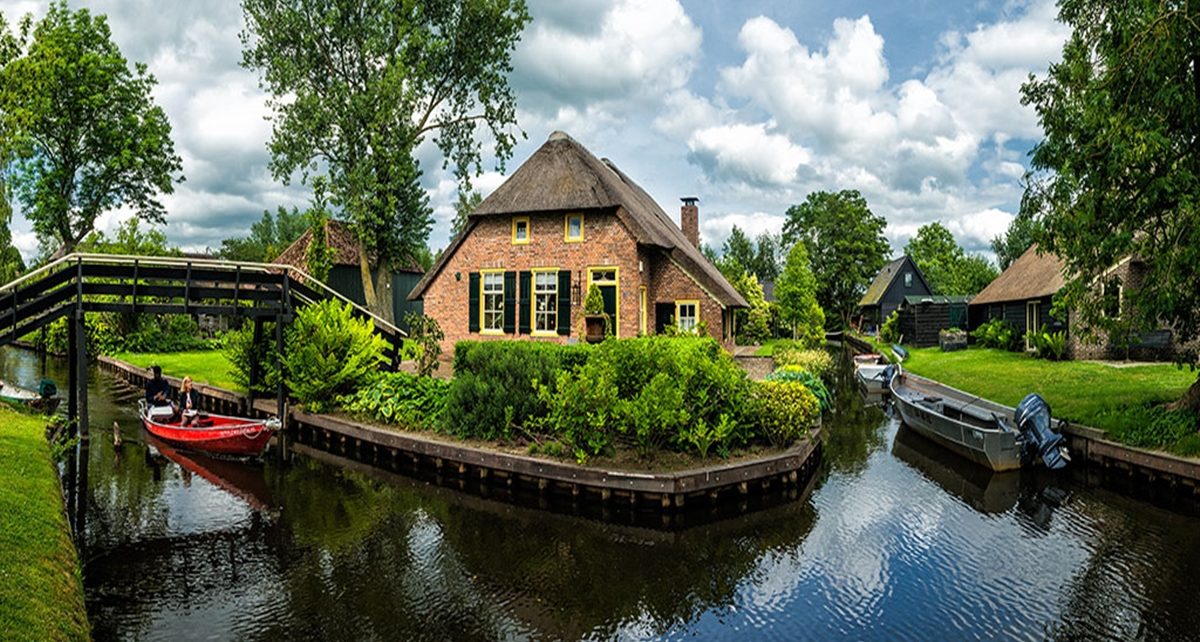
1123,402
41,591
768,349
206,366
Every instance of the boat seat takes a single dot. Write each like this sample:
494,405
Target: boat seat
158,412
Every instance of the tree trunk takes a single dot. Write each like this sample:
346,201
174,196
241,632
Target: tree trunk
1189,401
364,267
384,294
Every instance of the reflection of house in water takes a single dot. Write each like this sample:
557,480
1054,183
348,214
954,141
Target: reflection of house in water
976,486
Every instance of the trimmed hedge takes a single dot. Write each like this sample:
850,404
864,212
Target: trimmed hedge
789,408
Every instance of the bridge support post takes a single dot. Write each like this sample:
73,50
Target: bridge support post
255,366
80,364
280,389
72,379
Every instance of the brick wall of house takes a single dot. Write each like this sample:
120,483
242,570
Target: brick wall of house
669,283
1152,346
607,243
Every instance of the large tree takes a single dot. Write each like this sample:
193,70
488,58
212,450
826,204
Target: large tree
11,263
269,236
845,244
1118,172
357,85
1021,234
946,266
796,292
83,132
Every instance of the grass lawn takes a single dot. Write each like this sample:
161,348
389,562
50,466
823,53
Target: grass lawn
768,349
205,366
41,591
1121,401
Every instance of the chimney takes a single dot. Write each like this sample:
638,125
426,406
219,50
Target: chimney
689,219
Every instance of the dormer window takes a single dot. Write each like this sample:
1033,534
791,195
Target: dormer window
573,232
520,230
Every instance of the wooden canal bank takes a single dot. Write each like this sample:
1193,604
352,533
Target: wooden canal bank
460,465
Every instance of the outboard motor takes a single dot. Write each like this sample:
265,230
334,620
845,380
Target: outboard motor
1032,417
47,389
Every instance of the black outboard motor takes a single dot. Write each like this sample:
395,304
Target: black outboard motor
1032,417
47,389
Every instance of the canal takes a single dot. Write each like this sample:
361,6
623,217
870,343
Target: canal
897,540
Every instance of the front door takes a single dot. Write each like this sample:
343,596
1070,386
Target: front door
606,279
1033,321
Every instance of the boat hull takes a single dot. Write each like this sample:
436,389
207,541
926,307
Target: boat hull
227,435
990,447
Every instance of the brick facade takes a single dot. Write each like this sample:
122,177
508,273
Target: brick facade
1151,346
606,243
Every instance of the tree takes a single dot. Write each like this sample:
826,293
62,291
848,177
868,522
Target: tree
753,323
947,268
357,86
84,133
737,255
845,245
796,292
318,258
1021,233
1118,172
269,237
130,238
467,202
766,257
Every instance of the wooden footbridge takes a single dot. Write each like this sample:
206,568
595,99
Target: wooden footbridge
80,283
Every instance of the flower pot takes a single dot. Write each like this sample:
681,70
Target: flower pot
951,341
594,327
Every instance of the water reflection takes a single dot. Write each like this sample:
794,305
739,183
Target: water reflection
896,542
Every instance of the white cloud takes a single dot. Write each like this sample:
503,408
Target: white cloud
715,229
748,153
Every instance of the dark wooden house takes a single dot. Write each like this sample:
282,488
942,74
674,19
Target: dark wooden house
898,279
1022,294
923,316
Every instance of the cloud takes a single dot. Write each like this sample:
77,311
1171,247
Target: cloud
749,153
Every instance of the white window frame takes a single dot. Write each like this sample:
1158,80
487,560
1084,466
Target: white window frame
693,319
491,290
545,303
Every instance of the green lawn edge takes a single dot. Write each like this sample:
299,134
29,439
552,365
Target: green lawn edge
41,585
203,366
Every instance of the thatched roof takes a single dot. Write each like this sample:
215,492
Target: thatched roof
338,236
1032,276
563,175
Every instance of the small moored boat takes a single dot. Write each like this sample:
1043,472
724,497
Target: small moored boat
219,434
44,400
871,370
996,436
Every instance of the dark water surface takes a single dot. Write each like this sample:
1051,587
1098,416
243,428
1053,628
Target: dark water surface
896,541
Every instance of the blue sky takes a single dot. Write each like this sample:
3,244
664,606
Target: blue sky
748,105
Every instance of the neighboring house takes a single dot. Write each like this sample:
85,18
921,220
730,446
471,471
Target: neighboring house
924,316
1023,294
565,220
345,277
897,279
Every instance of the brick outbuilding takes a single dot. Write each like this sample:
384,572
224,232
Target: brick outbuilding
563,221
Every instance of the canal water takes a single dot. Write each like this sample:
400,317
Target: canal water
897,540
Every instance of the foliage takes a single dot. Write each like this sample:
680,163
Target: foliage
947,268
1048,345
810,381
1147,426
845,243
129,239
493,390
1118,171
11,263
741,255
737,255
1021,233
997,333
401,399
593,303
426,336
788,410
766,257
318,258
269,237
754,323
329,353
356,89
241,351
889,332
82,127
796,291
101,336
467,201
817,361
164,333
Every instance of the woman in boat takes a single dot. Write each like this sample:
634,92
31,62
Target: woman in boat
189,402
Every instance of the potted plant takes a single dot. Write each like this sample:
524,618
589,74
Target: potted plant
952,339
594,320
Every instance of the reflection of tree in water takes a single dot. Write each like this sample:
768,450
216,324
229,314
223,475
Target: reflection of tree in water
851,433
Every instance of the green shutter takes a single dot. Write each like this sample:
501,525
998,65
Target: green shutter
564,302
510,302
526,304
473,302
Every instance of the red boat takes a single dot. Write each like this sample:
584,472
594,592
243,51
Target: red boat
212,433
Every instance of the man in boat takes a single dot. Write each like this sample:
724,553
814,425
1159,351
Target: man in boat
158,395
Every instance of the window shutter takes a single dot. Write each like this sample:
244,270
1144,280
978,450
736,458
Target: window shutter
564,302
664,313
510,302
526,319
473,302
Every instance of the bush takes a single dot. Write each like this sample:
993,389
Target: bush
239,348
998,334
1048,345
399,398
101,336
810,381
494,384
425,341
889,332
329,353
787,410
167,333
818,362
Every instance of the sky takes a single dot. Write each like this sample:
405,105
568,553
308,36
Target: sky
748,105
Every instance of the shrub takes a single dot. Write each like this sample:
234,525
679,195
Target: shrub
890,330
329,353
166,333
818,362
998,334
425,340
402,399
494,384
787,410
580,411
812,382
1048,345
100,336
240,349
